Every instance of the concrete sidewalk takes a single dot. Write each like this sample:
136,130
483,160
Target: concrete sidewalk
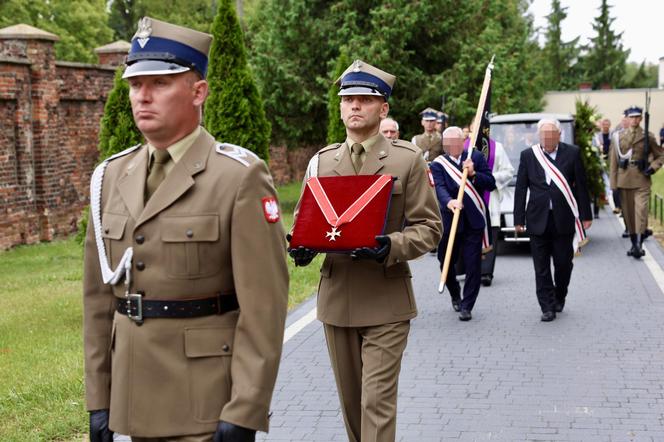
594,374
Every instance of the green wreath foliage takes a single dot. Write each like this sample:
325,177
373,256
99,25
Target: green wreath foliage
584,127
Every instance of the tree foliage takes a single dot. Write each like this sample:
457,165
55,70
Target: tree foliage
435,48
234,110
82,25
194,14
336,131
561,59
498,28
605,62
641,75
584,128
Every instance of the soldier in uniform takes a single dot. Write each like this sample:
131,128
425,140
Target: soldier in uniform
630,174
365,298
430,140
441,122
182,338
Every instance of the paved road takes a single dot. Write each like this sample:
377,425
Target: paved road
594,374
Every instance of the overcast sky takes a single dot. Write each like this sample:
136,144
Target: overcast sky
640,21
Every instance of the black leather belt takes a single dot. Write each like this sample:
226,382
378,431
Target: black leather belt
137,308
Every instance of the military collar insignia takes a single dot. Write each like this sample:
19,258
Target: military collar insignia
144,31
357,66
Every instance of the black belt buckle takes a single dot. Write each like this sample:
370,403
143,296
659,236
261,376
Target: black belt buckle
135,304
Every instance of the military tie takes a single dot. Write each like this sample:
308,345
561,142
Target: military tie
160,157
356,156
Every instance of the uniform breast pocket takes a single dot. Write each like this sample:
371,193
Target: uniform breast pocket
112,230
192,245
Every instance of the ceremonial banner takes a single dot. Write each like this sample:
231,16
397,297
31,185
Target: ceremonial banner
342,213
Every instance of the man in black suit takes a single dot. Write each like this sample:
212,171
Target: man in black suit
558,208
472,231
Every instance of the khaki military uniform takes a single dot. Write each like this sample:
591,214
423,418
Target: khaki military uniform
366,306
203,232
431,145
633,184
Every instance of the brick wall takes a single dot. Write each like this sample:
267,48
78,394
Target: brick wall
49,124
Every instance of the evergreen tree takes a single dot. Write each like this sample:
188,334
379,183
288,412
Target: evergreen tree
560,58
290,51
234,111
606,58
118,130
640,76
336,131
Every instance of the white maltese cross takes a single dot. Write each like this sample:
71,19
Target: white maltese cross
332,234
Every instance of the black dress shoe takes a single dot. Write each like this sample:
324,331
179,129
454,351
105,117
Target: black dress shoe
560,306
625,234
455,305
486,280
548,316
465,315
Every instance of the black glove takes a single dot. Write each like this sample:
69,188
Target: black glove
377,253
233,433
302,256
99,431
650,171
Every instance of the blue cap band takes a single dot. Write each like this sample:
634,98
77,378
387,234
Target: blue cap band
158,48
363,79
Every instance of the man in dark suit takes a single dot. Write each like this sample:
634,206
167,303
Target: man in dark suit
558,208
472,231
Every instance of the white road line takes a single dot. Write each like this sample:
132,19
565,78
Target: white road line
655,269
298,325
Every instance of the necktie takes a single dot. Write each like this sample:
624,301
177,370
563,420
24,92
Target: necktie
356,156
160,157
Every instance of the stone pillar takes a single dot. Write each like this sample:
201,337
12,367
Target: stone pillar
37,47
113,54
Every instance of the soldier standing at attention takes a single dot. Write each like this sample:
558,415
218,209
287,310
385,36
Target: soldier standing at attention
365,298
182,337
631,169
430,140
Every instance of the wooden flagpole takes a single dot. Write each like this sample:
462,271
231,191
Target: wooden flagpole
462,187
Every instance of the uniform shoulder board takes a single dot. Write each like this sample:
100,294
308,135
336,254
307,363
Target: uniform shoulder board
124,152
330,147
238,153
406,145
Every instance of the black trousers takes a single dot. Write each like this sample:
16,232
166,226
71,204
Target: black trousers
468,247
556,247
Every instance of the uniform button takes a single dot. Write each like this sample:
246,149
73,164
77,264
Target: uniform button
225,348
140,239
189,233
106,230
140,265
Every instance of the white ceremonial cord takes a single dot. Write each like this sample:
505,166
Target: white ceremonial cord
109,276
312,168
